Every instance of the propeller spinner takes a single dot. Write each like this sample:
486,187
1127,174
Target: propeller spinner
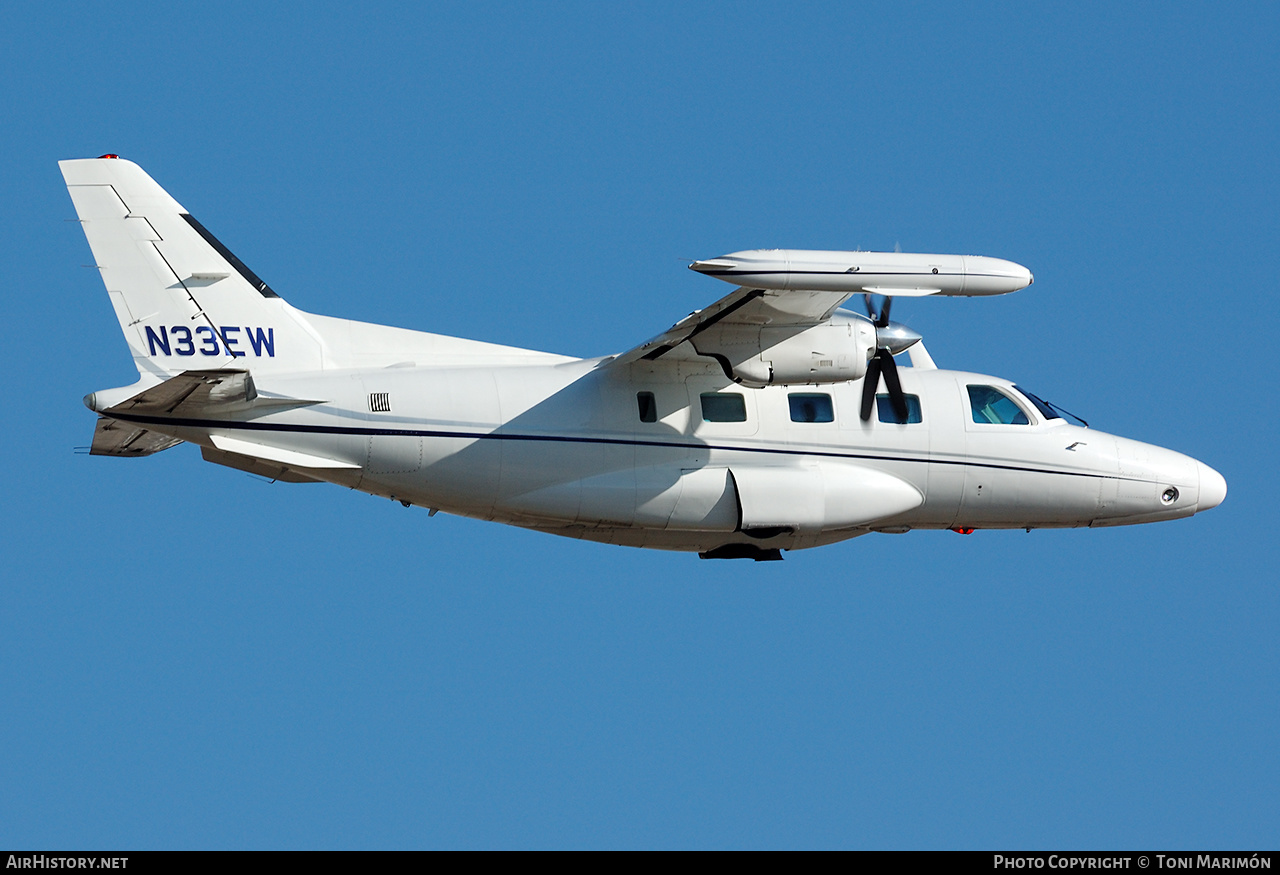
891,339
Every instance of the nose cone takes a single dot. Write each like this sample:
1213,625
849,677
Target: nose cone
1213,488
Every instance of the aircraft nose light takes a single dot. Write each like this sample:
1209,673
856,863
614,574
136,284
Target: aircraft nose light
1213,487
1170,495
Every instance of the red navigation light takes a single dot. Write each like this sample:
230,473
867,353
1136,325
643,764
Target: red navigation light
108,156
963,530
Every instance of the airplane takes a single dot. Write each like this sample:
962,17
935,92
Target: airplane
770,420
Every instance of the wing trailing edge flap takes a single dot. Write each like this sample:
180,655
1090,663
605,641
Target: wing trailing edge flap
742,306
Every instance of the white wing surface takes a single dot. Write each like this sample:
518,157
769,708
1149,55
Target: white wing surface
781,326
742,308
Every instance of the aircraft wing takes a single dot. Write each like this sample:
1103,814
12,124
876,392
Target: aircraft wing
741,307
790,290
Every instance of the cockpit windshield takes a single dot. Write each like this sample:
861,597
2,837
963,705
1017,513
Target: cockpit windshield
1048,410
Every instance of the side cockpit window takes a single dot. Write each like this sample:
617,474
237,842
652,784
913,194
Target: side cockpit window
992,407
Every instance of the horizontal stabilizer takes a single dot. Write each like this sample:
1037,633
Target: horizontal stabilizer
189,391
198,394
112,437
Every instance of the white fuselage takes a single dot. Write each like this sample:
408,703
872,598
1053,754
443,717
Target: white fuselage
744,429
562,448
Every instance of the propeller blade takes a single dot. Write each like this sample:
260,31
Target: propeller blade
891,338
870,383
878,316
893,384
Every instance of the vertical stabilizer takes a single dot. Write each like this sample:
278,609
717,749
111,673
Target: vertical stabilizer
184,301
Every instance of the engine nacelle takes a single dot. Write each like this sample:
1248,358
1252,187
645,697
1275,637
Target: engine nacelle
764,355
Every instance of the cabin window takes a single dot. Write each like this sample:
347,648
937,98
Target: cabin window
991,406
886,413
811,407
723,407
648,406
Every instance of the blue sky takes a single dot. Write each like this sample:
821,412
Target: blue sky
195,658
